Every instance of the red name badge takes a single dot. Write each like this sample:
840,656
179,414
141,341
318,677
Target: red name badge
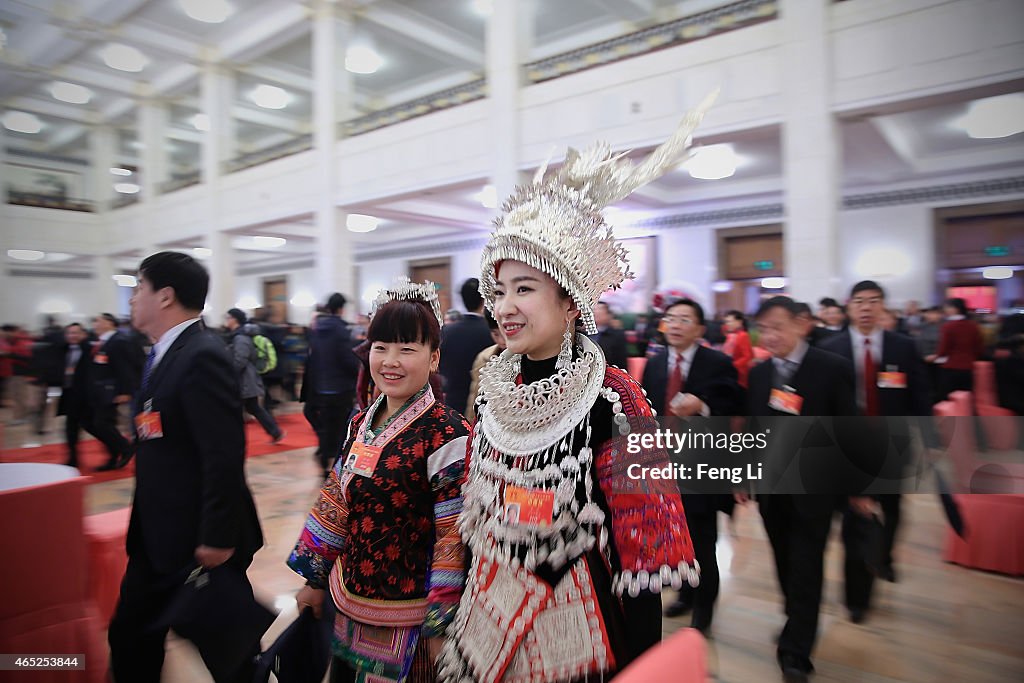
529,506
148,425
362,459
786,401
100,359
892,380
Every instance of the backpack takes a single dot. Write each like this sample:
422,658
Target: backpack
266,355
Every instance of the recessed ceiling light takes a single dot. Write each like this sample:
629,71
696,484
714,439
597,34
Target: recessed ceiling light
270,97
126,188
773,282
202,252
992,273
358,222
482,7
362,59
26,254
713,162
993,117
114,170
269,242
123,58
201,122
207,11
125,280
70,92
247,303
488,197
306,300
22,122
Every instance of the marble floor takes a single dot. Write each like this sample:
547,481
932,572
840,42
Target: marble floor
940,622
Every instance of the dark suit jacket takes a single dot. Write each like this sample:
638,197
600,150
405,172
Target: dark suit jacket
825,381
73,398
112,371
899,353
190,487
613,343
712,378
460,343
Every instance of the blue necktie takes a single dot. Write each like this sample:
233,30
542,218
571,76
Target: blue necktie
147,369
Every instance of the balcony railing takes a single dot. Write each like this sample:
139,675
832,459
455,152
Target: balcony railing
49,201
296,145
428,104
684,30
180,181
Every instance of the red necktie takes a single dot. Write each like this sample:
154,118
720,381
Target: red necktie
675,381
870,381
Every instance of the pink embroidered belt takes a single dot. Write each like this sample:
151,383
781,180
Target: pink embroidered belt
374,611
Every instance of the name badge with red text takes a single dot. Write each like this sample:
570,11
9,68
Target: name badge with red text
534,507
785,401
892,380
100,359
362,459
148,425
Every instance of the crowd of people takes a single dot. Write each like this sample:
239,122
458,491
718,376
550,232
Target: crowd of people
475,520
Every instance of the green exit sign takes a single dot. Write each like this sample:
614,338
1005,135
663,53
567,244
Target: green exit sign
997,251
764,265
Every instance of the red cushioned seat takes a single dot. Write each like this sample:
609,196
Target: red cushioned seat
105,534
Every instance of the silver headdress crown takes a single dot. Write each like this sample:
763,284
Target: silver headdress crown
404,289
556,225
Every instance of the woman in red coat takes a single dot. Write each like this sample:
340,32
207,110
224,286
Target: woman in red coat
960,344
737,345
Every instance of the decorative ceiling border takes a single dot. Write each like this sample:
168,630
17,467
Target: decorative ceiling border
936,193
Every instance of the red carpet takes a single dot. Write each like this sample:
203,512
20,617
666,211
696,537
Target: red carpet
92,454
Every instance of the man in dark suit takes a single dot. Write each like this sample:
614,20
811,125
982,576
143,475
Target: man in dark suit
798,380
111,383
460,343
75,358
192,505
891,379
689,380
611,340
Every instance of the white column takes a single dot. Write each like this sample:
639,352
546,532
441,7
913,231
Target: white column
4,172
216,95
101,154
811,158
332,96
152,125
105,290
221,265
508,37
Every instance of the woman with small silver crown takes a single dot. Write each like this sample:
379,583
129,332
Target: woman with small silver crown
568,551
382,538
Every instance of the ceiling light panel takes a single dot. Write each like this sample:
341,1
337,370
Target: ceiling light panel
123,58
270,97
22,122
363,59
70,92
207,11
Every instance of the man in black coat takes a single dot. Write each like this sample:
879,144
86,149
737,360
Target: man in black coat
192,504
891,379
329,385
111,382
688,380
611,340
798,380
460,343
74,360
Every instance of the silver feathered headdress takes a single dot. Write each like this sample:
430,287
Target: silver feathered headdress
556,225
404,289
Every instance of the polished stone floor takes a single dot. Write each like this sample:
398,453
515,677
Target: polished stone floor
940,622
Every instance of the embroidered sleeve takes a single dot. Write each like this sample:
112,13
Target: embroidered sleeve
648,526
447,575
323,535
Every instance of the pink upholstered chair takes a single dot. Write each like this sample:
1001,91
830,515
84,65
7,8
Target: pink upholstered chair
985,383
680,659
47,607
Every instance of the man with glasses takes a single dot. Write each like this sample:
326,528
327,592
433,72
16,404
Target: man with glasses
891,379
686,380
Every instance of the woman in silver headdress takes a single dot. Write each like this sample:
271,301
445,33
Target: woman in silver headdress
382,537
568,551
